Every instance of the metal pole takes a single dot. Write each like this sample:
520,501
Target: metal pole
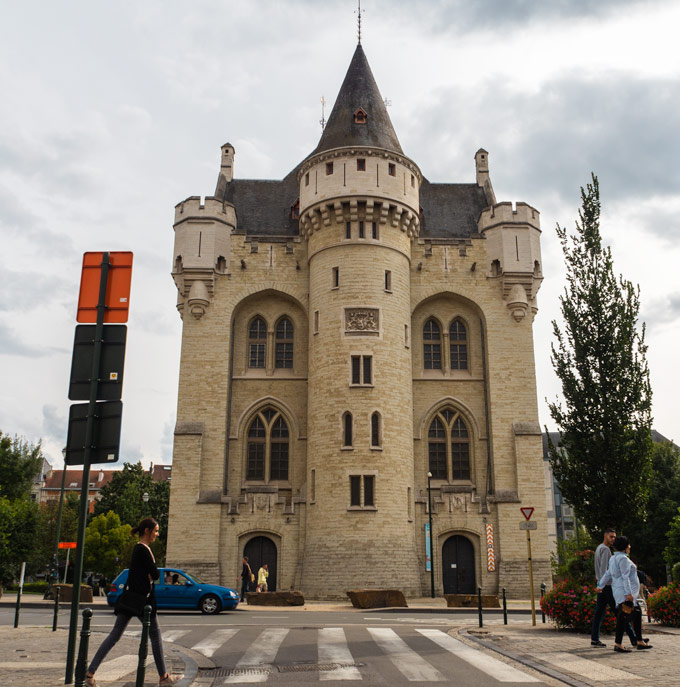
505,608
21,586
68,554
531,579
479,606
55,555
56,609
543,588
89,438
429,509
81,666
143,647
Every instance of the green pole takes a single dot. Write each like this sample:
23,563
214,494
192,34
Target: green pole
55,555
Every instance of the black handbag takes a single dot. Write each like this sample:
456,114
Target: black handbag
132,603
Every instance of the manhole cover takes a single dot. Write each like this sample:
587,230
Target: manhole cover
239,672
316,667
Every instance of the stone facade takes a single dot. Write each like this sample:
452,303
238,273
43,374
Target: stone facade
346,331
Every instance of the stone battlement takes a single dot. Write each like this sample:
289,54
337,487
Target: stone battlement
504,213
212,208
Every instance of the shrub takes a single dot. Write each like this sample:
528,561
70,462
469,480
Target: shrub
31,587
572,606
664,605
675,573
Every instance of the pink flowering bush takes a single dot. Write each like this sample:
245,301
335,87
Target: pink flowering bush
664,605
571,605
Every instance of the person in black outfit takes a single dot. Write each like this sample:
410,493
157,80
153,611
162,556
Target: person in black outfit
246,574
141,576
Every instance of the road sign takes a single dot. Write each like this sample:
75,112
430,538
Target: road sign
523,525
117,299
68,544
527,513
106,434
110,377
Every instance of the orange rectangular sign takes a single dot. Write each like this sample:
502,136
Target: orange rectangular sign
117,299
68,544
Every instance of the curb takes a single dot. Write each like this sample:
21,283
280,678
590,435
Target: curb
524,660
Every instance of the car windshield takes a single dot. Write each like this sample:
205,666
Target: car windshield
183,576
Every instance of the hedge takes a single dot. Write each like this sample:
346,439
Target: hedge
664,605
572,606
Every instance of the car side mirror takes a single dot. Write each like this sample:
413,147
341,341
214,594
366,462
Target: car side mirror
188,584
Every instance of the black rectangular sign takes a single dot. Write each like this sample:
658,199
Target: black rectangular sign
106,435
110,385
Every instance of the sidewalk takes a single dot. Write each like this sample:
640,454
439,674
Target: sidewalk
569,658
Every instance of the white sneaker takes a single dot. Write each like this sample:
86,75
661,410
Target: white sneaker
169,680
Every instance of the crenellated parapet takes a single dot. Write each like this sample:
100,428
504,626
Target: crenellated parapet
514,253
202,244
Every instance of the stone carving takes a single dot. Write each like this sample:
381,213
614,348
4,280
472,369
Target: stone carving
362,321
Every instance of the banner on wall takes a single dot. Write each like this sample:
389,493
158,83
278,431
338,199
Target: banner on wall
428,553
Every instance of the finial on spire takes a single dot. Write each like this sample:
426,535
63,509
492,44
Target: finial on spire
359,12
322,121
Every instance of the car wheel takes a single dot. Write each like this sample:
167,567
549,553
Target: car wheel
210,604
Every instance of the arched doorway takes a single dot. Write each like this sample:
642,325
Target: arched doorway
262,550
458,566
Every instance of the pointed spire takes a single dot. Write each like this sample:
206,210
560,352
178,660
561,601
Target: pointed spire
359,116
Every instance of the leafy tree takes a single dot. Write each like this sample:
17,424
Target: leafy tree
603,465
124,496
107,543
20,462
650,537
672,551
18,529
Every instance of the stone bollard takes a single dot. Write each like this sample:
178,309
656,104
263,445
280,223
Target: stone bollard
56,609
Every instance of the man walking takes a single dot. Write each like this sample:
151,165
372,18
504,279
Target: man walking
246,577
605,598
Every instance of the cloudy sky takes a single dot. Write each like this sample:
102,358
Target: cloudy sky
111,113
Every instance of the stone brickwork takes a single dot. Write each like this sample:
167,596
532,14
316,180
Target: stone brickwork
360,282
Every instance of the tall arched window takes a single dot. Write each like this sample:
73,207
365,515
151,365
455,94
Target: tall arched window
432,348
257,342
458,345
449,446
268,447
284,344
375,430
347,429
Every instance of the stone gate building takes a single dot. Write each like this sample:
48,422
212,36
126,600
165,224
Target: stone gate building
346,331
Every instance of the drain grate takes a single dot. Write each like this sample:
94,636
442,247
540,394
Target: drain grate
238,672
315,667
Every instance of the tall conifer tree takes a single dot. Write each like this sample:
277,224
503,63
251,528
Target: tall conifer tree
603,463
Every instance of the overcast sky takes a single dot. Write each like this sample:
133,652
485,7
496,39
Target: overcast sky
111,113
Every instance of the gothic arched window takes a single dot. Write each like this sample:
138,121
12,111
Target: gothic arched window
257,342
432,348
458,345
449,446
284,344
267,447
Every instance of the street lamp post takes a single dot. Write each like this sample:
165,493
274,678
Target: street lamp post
429,510
55,555
145,497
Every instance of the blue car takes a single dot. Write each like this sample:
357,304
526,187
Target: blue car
177,589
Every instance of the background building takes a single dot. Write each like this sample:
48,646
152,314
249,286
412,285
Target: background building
346,331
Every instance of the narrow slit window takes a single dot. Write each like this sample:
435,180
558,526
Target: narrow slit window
347,430
388,280
361,164
355,490
375,430
336,277
307,179
348,230
356,369
374,230
329,168
392,169
361,230
369,489
368,370
316,321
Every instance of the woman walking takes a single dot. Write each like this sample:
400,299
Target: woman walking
622,573
141,576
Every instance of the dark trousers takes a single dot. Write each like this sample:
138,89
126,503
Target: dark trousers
244,587
604,599
625,620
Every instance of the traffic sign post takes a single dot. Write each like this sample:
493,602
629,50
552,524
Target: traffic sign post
104,297
527,527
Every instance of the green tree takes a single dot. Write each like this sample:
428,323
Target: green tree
650,537
672,551
18,531
124,495
107,544
20,462
603,465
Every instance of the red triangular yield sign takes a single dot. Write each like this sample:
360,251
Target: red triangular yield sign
527,513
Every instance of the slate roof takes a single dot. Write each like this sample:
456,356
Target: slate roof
359,90
450,210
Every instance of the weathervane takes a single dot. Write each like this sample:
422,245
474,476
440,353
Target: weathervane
359,12
322,121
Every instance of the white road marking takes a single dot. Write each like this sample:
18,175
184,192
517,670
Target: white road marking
413,666
487,664
332,645
589,669
112,670
214,641
262,652
173,635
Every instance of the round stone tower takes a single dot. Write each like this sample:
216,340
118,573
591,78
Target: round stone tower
359,214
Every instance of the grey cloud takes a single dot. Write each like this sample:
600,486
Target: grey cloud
11,344
54,425
168,440
661,311
27,290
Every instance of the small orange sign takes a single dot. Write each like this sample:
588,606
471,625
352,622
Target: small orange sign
117,299
68,544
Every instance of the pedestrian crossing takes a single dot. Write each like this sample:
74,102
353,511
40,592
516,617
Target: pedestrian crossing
420,655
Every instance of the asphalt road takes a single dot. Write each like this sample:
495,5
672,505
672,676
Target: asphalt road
282,647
